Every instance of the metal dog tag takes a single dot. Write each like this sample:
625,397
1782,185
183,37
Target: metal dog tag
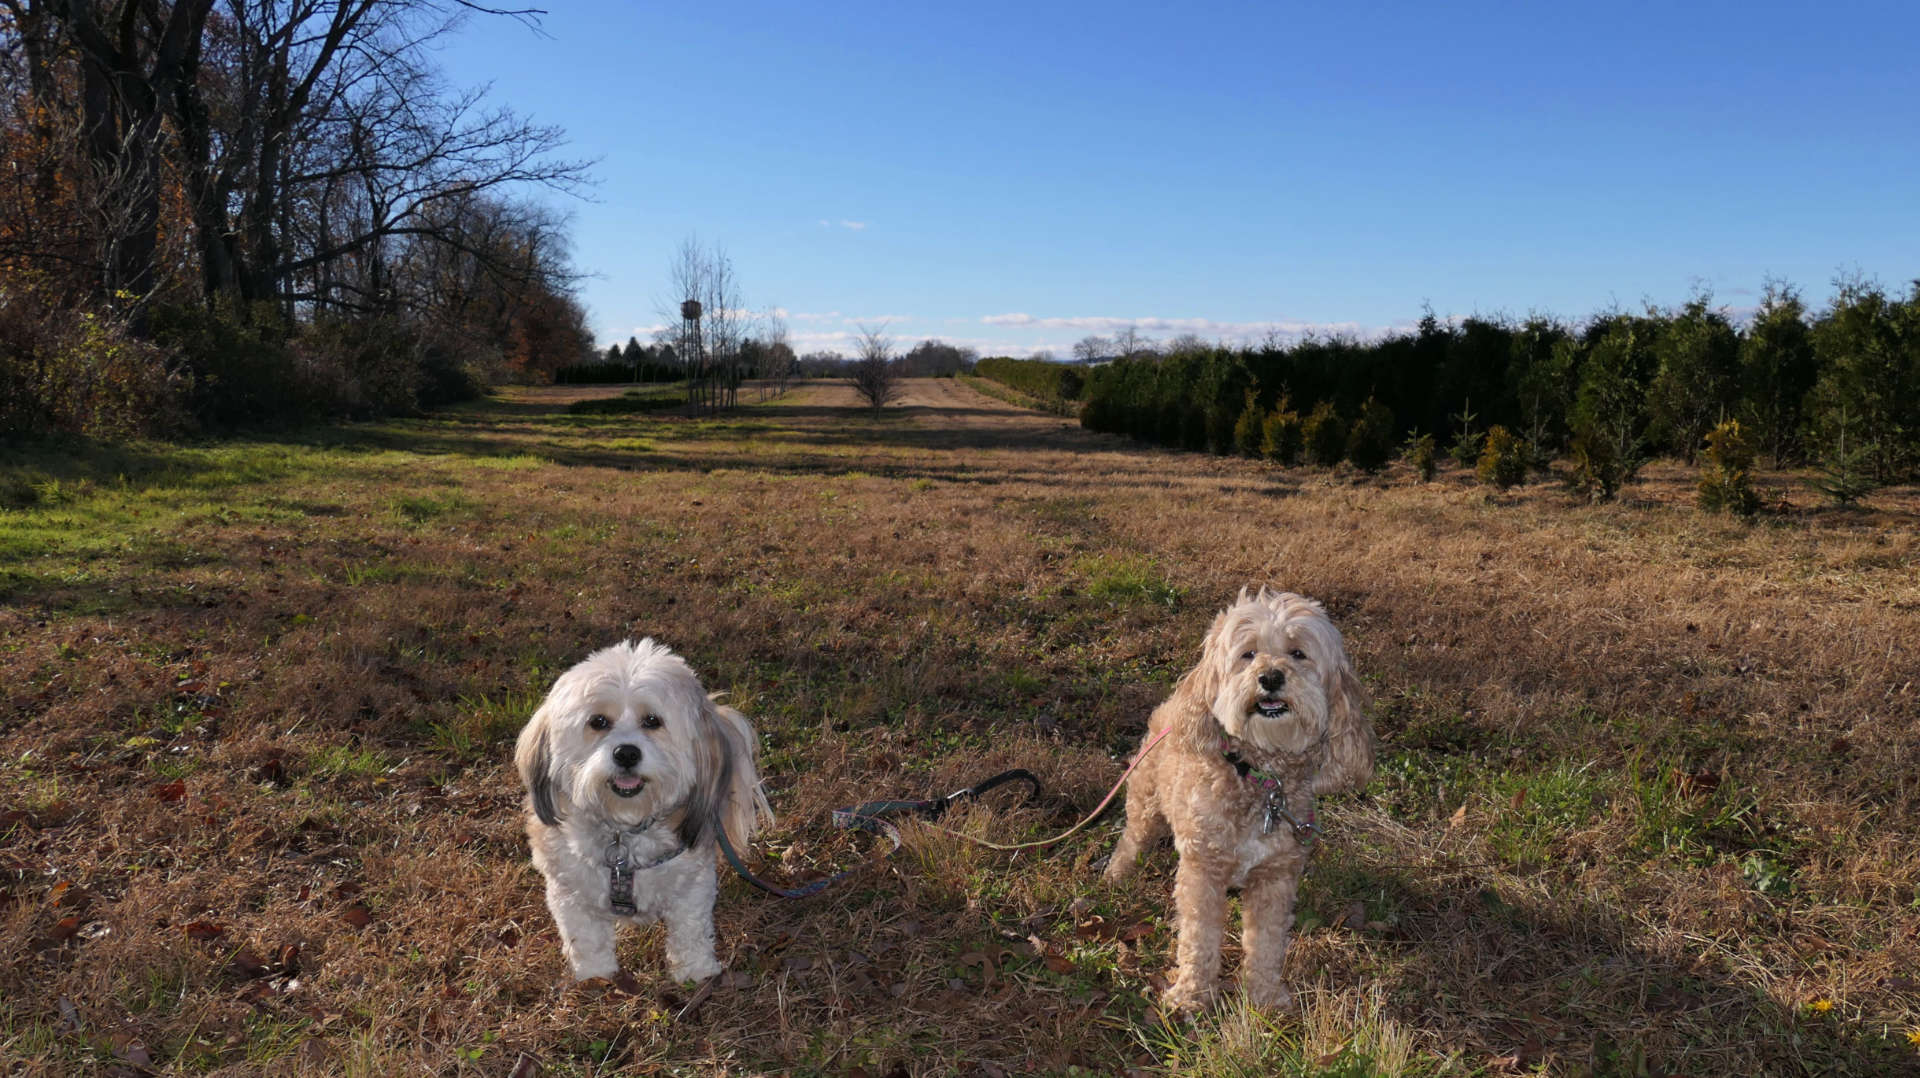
1276,808
620,887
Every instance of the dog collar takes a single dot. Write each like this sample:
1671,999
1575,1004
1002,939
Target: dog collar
1305,827
621,866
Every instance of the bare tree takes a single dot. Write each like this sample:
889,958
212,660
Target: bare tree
776,359
1128,342
1089,349
873,374
712,351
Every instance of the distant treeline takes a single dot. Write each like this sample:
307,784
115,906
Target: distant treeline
1609,393
1039,378
610,371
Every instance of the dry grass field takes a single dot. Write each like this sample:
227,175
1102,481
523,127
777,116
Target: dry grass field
1647,799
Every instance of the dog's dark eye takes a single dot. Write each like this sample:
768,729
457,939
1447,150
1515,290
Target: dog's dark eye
1247,658
599,722
650,722
1297,653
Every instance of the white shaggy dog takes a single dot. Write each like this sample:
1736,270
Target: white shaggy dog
1271,716
629,766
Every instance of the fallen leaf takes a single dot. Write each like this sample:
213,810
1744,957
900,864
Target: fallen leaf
1137,931
203,930
1354,916
1695,783
248,964
171,791
1519,798
981,959
1059,963
1459,817
526,1067
357,915
65,928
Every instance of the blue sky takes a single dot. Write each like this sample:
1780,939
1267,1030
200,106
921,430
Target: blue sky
1015,177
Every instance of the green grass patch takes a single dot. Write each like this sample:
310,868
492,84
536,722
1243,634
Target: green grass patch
1534,812
482,723
347,761
1127,580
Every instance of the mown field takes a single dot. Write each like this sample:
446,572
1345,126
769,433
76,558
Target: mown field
1646,802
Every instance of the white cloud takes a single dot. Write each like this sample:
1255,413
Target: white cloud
856,226
1201,327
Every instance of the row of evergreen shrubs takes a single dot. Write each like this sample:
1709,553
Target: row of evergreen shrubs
1839,389
1048,381
608,372
1502,459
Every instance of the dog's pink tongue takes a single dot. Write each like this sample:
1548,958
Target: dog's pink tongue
630,783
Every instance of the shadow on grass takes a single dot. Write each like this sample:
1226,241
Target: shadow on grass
1501,978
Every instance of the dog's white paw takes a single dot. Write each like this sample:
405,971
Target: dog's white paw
698,969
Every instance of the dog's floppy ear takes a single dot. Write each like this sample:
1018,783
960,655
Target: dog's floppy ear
726,788
1199,686
745,806
534,757
1349,732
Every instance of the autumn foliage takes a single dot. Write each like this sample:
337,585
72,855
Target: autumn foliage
216,213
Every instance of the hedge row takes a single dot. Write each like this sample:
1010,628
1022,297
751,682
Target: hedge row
1035,377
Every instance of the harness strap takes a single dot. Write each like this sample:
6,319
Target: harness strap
621,868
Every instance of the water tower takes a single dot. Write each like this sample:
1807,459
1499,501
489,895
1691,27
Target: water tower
692,354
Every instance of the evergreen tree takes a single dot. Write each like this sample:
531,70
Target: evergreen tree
1609,411
1325,434
1247,428
1370,443
1696,381
1503,463
1724,483
1868,349
1281,434
1545,369
1777,370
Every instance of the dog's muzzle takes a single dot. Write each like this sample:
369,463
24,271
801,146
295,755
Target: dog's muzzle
628,785
1272,707
1271,703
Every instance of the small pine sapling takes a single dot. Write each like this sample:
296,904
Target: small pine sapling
1325,434
1420,453
1503,460
1725,486
1280,435
1846,472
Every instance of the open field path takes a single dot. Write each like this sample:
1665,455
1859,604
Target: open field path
1646,801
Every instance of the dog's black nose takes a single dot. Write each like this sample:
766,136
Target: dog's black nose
1273,680
629,755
